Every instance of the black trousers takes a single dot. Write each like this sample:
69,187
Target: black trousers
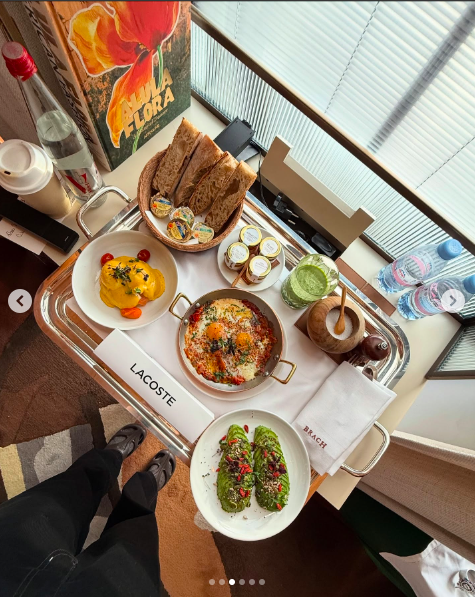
42,532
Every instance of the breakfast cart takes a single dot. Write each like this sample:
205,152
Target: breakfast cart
78,338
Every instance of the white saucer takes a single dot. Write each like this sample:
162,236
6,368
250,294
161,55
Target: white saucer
230,274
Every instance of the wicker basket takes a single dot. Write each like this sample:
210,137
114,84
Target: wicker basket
144,193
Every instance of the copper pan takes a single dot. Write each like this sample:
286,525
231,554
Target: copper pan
266,310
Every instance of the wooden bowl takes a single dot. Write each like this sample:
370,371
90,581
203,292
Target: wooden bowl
318,331
144,194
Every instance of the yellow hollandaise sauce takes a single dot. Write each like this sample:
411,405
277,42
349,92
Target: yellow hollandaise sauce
125,281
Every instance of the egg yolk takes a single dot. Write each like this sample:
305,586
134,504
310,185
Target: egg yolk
215,331
243,340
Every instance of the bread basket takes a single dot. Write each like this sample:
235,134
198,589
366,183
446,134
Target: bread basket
144,194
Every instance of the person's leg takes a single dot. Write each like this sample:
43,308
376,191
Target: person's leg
42,529
124,561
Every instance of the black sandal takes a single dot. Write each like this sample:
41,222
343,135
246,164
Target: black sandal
162,467
127,439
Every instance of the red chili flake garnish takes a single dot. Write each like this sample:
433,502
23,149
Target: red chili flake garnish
276,474
241,459
239,477
232,441
280,487
218,469
228,458
265,453
241,491
279,507
253,445
273,453
246,428
248,492
271,466
223,438
244,452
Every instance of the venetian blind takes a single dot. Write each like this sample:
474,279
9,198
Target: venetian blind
399,77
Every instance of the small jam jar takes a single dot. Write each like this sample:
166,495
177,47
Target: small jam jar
250,236
270,247
258,269
236,256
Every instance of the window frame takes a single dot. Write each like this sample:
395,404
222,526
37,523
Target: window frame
322,121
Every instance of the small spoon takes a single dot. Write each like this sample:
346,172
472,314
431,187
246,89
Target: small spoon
340,324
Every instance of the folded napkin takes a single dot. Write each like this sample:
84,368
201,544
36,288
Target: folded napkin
340,414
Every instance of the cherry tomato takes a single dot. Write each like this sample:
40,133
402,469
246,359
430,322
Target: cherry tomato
143,301
131,313
143,255
106,257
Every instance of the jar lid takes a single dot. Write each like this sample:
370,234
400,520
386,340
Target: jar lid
270,247
238,253
24,167
250,236
259,266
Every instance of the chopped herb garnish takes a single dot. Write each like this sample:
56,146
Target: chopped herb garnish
137,290
243,358
193,335
146,277
139,269
121,273
128,291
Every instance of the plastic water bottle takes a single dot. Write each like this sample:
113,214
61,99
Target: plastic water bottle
444,295
58,133
418,265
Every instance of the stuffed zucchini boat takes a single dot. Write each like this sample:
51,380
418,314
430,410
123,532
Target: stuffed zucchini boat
272,477
235,473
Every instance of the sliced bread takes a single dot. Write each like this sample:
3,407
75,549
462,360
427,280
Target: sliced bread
204,158
179,152
230,196
209,186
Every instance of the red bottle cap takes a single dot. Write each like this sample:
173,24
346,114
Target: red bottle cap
19,62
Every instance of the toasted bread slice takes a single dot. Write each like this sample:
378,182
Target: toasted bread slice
209,186
230,196
204,158
173,165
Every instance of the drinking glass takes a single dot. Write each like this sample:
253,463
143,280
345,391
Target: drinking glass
314,278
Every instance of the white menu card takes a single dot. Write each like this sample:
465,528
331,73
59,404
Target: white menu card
155,385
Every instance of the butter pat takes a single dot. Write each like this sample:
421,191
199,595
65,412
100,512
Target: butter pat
155,385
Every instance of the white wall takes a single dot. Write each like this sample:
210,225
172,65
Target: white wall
444,411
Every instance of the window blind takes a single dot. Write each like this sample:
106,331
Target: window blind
398,77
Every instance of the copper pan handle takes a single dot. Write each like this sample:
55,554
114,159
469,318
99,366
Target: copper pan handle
291,373
175,301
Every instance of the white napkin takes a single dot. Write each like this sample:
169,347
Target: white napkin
339,415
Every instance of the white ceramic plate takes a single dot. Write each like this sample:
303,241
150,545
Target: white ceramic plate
230,274
87,270
254,523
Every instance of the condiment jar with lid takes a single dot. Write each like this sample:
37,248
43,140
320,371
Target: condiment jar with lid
236,256
258,269
250,236
270,247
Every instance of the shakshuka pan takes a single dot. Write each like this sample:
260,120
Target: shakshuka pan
229,341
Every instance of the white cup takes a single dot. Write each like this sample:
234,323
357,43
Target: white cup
26,170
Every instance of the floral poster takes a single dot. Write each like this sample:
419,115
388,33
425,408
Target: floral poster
133,59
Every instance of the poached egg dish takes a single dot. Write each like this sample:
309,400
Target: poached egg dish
229,341
126,282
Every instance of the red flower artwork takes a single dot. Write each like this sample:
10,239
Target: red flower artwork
118,34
